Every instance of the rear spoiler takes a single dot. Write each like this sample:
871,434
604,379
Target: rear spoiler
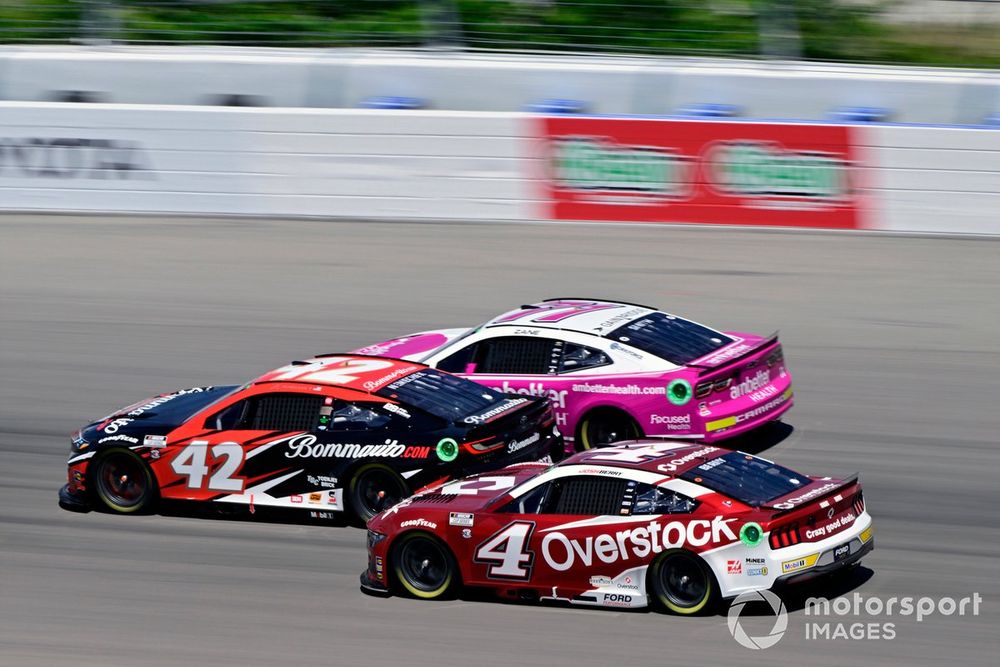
770,340
780,509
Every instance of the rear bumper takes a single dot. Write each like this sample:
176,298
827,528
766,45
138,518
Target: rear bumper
74,502
827,568
731,426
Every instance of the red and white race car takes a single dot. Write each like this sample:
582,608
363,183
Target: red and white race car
647,522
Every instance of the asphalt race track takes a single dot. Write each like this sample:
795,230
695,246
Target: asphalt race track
892,342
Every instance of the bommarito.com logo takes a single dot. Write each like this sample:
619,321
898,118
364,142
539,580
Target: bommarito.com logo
871,617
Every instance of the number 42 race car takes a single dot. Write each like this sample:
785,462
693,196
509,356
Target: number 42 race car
326,435
670,524
616,371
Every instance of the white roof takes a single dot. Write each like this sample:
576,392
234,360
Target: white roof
582,315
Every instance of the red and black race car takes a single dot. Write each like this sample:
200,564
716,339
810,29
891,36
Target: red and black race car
326,435
677,525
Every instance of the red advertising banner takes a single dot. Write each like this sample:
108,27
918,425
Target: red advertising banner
693,171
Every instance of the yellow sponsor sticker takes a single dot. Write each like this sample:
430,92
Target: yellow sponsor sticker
720,423
797,564
866,534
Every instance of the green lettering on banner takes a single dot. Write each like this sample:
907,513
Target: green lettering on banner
762,168
594,164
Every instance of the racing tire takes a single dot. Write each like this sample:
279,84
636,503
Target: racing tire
122,482
602,428
374,487
681,583
423,567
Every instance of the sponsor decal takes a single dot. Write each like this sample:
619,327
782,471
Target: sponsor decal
379,566
155,441
626,350
371,385
316,497
599,581
556,396
466,533
791,503
322,515
727,353
674,464
322,480
518,445
418,523
672,422
752,413
831,527
461,519
757,381
617,600
73,157
621,318
619,389
607,168
763,394
305,446
395,409
797,564
768,169
155,454
664,170
561,552
119,438
416,453
113,426
734,567
757,571
500,409
295,498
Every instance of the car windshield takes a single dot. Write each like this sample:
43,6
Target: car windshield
442,395
746,478
675,339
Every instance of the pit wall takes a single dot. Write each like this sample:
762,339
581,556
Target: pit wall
483,166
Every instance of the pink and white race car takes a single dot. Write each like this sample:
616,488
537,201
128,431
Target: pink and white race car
616,371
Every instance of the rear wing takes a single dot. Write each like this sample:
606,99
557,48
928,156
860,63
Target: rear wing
753,349
807,499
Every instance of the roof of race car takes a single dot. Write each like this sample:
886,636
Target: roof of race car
352,371
591,316
662,456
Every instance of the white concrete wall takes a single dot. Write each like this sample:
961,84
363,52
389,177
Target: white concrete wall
344,78
400,165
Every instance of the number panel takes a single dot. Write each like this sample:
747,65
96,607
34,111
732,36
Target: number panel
506,553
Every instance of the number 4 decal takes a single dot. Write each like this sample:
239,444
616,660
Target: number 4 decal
191,463
506,552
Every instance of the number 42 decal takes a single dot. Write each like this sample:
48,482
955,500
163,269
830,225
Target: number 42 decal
506,552
192,463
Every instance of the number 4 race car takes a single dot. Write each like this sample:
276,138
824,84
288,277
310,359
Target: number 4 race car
615,371
651,522
326,435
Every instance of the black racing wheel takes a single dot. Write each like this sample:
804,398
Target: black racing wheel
374,487
605,427
122,482
682,583
423,566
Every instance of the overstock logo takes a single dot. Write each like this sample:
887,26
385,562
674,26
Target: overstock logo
777,630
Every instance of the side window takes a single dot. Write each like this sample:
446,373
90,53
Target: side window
585,494
459,361
283,412
521,355
228,418
359,416
649,499
576,357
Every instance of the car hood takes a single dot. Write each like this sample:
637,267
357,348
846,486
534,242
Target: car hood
154,416
414,347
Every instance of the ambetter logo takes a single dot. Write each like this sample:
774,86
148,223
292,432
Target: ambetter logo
780,620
